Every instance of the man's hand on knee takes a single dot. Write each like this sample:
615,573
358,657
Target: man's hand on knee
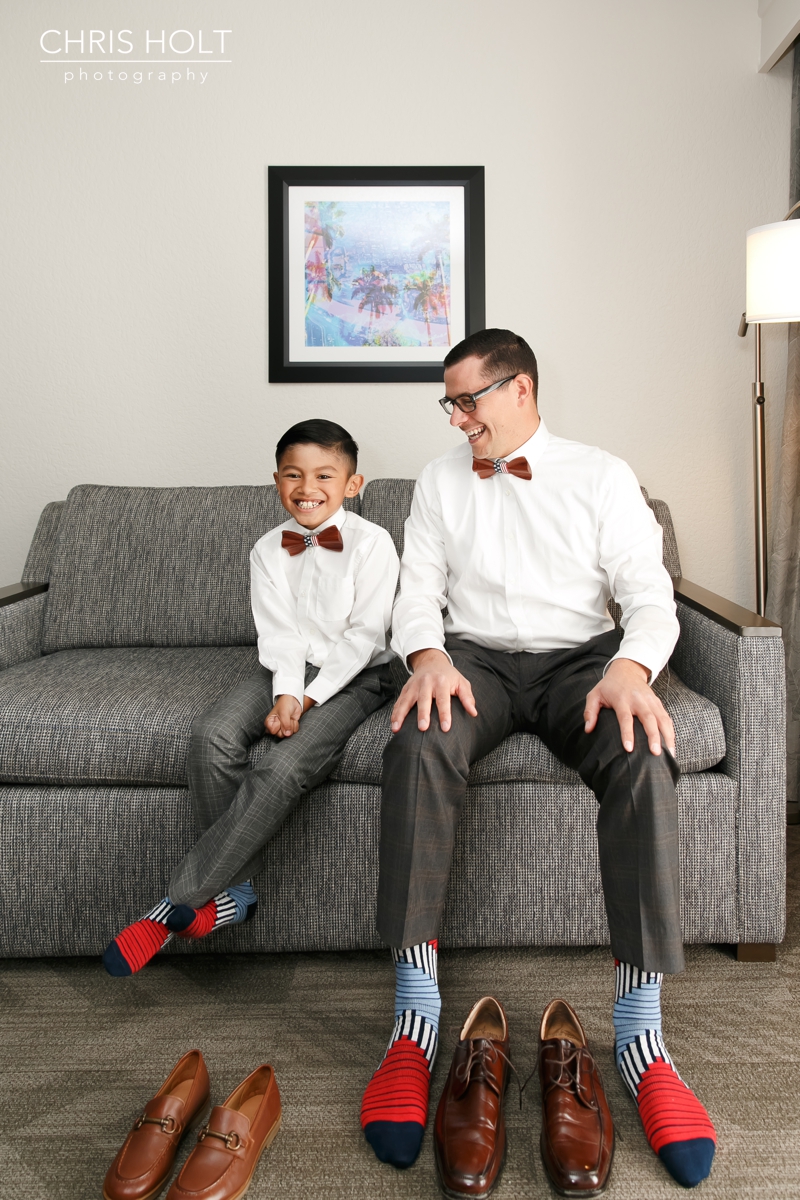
435,679
624,688
283,719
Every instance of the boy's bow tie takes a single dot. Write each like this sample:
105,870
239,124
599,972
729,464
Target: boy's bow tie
486,467
296,543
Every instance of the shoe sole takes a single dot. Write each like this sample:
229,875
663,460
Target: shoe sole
268,1140
577,1192
202,1112
452,1194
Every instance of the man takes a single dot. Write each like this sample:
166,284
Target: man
524,537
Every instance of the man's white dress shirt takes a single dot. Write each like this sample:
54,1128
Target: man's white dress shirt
329,608
531,564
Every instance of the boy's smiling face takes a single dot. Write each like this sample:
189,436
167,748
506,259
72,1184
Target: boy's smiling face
313,481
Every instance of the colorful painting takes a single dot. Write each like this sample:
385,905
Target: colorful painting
377,273
372,278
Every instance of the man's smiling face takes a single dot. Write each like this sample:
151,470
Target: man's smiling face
501,421
313,481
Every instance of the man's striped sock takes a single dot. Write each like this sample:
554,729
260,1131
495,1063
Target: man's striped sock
394,1110
231,907
138,943
676,1124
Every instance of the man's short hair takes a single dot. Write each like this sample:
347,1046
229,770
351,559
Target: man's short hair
319,433
503,353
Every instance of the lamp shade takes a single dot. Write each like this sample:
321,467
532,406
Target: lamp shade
773,272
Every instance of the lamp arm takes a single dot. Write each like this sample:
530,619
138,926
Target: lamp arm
793,209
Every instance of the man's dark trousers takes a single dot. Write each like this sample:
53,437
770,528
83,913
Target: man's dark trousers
425,783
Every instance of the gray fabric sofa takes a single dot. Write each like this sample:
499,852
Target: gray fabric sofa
133,616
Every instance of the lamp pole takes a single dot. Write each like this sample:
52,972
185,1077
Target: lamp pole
759,440
760,481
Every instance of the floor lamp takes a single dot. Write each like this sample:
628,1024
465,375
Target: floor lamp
773,295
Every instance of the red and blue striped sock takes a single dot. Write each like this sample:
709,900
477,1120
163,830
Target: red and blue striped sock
676,1124
231,907
138,943
394,1110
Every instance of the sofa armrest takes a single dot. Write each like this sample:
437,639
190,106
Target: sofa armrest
14,592
724,612
21,615
736,659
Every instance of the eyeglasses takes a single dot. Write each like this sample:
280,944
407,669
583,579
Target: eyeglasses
468,402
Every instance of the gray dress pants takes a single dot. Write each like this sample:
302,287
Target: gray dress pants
238,807
425,784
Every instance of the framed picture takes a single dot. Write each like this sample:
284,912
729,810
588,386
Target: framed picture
374,272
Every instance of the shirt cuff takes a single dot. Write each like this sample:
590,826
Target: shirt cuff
287,685
321,689
431,640
640,654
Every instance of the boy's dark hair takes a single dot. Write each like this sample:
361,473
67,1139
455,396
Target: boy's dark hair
319,433
504,353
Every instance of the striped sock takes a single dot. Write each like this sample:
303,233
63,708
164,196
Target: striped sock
138,943
231,907
394,1110
676,1124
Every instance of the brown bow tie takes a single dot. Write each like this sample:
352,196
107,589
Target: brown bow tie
296,543
486,467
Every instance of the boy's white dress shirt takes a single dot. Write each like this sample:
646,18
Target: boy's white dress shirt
531,564
325,607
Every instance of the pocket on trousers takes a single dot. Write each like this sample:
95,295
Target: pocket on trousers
335,598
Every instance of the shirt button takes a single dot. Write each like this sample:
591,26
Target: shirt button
508,491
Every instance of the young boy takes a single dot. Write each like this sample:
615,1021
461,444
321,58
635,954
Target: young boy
322,586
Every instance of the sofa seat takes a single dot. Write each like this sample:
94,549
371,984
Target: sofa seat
524,758
125,716
111,716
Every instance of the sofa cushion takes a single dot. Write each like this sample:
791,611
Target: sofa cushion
156,566
113,716
387,502
523,757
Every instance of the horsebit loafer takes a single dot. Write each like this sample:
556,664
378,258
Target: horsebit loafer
141,1167
470,1130
577,1130
231,1142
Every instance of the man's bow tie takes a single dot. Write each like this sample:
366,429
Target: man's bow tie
486,467
296,543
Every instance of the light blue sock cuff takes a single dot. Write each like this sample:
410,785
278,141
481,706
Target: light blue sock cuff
415,989
636,1012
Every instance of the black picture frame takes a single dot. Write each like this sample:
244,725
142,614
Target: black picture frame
282,335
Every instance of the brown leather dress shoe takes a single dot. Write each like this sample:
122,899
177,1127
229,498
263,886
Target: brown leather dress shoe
577,1129
142,1166
230,1144
470,1130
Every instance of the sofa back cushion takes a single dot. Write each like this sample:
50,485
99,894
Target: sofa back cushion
40,556
156,566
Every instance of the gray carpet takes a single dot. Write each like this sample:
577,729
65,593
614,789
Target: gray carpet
81,1053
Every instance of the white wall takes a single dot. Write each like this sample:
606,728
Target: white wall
627,147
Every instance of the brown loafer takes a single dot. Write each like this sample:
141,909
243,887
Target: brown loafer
231,1142
577,1130
142,1166
470,1129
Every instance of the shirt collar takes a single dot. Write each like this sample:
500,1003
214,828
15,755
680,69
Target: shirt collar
339,519
535,446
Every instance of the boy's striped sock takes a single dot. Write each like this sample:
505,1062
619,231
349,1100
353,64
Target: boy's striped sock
676,1124
138,943
394,1110
234,905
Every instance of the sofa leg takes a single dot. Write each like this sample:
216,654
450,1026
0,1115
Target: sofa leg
755,952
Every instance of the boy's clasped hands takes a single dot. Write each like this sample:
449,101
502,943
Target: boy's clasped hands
283,719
